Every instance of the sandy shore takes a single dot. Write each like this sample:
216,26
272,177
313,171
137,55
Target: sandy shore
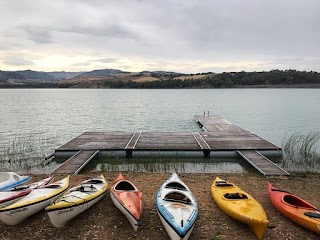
104,220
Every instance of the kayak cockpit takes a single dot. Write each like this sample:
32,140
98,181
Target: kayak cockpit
176,185
19,188
84,188
94,181
296,202
235,196
312,214
177,197
124,186
223,183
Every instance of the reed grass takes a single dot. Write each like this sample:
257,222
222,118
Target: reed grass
301,152
25,151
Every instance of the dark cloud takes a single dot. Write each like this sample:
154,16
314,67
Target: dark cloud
36,33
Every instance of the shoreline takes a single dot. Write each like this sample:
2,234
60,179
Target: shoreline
105,221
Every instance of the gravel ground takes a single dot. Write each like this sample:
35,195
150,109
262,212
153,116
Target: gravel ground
104,220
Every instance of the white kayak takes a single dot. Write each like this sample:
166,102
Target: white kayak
12,195
76,200
177,208
37,200
11,179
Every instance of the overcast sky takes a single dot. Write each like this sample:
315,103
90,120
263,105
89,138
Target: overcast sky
185,36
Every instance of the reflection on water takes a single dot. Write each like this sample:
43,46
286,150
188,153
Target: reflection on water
157,164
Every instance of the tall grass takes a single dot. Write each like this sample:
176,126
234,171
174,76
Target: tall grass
301,152
24,151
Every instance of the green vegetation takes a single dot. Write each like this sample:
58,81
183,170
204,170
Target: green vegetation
169,80
301,152
26,152
227,80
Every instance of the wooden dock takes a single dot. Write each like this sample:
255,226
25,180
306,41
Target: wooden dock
219,136
75,163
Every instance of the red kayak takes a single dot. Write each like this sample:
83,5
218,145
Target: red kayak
295,208
128,199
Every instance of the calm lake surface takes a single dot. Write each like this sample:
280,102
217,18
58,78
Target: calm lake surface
54,116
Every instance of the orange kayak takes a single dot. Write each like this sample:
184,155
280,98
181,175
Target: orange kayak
295,208
128,199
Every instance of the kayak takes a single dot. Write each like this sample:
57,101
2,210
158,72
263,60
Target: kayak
177,208
36,200
128,199
11,179
76,200
239,205
12,195
295,208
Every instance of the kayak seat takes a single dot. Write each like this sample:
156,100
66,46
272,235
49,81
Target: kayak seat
124,185
177,197
87,189
312,214
235,196
175,185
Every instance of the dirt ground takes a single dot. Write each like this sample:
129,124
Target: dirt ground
105,221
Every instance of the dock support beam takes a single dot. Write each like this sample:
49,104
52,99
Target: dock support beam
129,153
206,153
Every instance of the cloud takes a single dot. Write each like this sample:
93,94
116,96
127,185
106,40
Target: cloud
105,60
206,33
38,34
15,60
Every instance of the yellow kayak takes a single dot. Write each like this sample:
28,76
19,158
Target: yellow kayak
240,205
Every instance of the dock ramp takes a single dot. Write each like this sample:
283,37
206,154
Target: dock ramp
75,163
261,163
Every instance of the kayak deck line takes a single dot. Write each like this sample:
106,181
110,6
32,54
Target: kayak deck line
220,139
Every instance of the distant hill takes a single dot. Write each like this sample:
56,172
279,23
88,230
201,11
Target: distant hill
29,76
64,75
114,78
102,72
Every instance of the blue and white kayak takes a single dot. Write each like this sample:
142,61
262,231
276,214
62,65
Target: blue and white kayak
177,208
11,179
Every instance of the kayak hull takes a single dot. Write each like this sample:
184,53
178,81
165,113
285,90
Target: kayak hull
34,202
128,199
76,200
177,208
11,179
294,208
239,205
9,196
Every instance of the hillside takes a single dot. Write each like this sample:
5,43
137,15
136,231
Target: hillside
113,78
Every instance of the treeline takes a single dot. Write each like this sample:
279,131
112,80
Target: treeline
209,80
228,80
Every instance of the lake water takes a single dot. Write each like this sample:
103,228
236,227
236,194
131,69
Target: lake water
52,117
